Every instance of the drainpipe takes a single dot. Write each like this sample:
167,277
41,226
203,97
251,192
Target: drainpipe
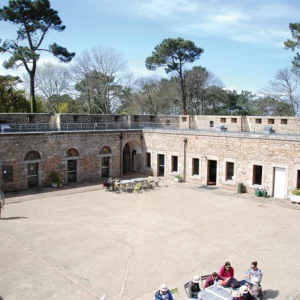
184,158
121,153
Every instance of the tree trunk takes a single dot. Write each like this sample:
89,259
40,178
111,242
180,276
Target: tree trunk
32,93
184,111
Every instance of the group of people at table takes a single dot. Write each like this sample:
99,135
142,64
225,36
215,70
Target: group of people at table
249,288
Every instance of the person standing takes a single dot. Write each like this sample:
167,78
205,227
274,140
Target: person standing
2,202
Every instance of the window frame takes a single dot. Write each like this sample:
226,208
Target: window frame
193,166
227,169
148,159
7,171
254,174
173,169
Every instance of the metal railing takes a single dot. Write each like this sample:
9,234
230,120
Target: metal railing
103,126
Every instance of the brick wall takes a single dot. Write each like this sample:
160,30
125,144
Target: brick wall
244,151
52,148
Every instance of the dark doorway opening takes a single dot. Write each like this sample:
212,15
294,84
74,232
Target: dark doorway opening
126,159
32,174
72,168
161,165
212,172
105,167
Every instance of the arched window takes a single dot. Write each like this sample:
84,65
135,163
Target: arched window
72,152
105,150
32,155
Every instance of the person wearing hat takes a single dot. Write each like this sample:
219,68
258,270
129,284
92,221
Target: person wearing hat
256,289
2,202
163,293
245,293
194,287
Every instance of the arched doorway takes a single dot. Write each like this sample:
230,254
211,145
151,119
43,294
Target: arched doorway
132,157
105,155
33,160
72,156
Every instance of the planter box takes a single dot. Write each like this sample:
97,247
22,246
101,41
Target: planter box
57,185
295,198
177,179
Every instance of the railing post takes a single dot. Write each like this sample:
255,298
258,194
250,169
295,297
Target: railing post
106,125
81,126
67,126
20,127
118,126
37,127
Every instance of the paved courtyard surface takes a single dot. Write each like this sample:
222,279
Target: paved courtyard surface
81,245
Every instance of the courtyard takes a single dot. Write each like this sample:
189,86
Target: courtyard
83,244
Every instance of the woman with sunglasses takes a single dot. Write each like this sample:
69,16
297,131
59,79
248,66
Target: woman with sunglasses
227,271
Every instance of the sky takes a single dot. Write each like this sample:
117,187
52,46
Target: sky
242,39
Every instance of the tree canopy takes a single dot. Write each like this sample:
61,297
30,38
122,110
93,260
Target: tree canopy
295,43
11,99
34,19
173,54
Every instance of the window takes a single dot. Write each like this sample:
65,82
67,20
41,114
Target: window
270,121
174,167
32,155
184,119
168,122
72,152
298,179
104,150
30,119
7,173
257,175
148,160
284,121
152,118
234,120
229,170
76,118
195,170
211,123
136,119
257,121
223,120
117,118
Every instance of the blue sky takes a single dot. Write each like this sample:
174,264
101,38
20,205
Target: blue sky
242,40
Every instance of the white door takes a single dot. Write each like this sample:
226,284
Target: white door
279,183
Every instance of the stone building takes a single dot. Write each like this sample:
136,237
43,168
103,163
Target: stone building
259,152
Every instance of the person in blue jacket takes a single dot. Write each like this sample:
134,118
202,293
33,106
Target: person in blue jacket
163,293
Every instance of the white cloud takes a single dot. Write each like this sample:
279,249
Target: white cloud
230,17
154,8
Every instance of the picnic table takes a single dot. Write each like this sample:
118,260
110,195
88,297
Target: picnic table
215,292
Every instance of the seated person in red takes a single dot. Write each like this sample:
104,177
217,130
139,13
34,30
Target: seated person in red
211,279
227,271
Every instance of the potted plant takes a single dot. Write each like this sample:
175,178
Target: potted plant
55,178
295,196
178,178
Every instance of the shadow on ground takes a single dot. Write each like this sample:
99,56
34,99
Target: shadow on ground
12,218
270,294
34,191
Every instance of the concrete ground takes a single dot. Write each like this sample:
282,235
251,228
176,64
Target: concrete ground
82,243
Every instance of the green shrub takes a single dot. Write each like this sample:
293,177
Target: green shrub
296,192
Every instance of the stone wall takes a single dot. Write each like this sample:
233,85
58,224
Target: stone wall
24,118
52,148
244,151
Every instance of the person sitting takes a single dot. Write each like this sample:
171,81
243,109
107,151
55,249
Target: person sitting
256,289
227,271
245,293
163,293
252,272
211,279
194,287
